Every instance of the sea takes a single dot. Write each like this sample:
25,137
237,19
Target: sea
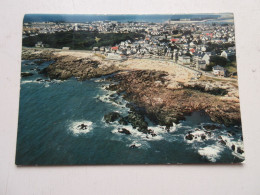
156,18
51,112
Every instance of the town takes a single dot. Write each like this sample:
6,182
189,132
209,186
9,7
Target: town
206,47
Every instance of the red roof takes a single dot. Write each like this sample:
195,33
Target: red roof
209,34
174,40
114,48
192,50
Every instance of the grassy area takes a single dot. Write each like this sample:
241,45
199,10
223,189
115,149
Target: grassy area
80,40
211,79
100,55
231,67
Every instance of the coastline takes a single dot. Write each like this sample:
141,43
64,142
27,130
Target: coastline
166,91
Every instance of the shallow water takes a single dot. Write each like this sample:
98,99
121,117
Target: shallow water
49,131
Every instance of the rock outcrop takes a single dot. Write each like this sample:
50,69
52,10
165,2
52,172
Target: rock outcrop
31,54
148,90
26,74
111,117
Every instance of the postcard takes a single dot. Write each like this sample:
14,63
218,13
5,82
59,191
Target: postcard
129,89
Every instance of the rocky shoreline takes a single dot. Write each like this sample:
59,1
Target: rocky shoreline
65,67
148,90
155,94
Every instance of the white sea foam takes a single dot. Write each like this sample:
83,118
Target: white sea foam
107,99
47,83
212,153
29,81
60,81
136,144
75,128
230,142
197,136
162,129
135,134
98,80
104,86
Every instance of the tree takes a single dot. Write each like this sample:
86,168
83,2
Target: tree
175,32
218,60
232,58
187,54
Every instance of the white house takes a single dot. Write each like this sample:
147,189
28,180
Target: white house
39,44
206,57
227,53
95,49
65,48
203,48
219,70
201,65
184,60
114,56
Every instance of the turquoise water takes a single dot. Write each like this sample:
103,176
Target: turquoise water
48,133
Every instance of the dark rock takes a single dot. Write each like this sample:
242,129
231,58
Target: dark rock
222,142
210,127
26,74
38,79
82,126
239,150
112,87
111,117
133,146
233,147
138,121
167,128
203,137
189,137
125,131
123,121
231,133
43,71
131,106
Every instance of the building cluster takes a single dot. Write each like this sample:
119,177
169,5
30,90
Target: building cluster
186,44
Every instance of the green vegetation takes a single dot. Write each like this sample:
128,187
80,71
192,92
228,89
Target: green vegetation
218,48
80,39
218,60
231,67
230,64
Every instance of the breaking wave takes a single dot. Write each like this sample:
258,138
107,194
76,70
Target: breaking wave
212,153
81,127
